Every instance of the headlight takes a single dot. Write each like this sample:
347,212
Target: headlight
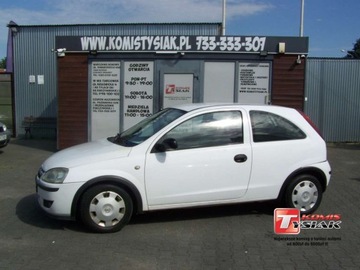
55,176
4,127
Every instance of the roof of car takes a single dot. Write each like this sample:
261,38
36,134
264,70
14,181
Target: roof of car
195,106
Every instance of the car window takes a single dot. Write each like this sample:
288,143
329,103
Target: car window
207,130
267,126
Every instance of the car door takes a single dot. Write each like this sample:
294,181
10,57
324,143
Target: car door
207,161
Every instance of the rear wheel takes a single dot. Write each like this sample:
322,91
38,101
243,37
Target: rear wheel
106,208
304,193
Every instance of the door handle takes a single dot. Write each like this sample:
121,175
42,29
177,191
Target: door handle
240,158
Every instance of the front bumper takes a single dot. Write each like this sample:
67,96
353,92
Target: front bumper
56,199
4,139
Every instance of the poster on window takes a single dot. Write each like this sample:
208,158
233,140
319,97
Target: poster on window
254,81
178,89
105,99
138,92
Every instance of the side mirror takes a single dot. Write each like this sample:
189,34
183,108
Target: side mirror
168,143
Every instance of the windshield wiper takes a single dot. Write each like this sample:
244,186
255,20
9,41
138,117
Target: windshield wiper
123,141
115,139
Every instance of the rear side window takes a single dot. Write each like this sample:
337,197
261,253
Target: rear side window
272,127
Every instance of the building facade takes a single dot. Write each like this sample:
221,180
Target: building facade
97,80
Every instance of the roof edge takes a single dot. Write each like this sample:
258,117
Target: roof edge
111,24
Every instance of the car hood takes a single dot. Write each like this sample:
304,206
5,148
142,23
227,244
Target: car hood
91,152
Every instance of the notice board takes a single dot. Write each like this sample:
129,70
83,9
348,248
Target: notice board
105,99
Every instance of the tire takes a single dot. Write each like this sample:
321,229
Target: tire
304,193
105,208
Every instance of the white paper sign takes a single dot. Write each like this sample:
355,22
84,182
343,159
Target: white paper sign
32,79
40,79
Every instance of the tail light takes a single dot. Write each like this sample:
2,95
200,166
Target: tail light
307,118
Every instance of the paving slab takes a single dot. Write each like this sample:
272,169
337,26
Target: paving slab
224,237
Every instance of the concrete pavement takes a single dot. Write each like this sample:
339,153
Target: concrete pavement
226,237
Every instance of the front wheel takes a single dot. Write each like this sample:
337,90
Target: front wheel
304,193
105,208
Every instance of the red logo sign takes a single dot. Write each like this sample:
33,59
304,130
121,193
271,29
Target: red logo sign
287,221
170,89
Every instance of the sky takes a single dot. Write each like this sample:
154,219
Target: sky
331,25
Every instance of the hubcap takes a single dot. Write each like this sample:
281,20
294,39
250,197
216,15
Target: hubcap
305,195
107,209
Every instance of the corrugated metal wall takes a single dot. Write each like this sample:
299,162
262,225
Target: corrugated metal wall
33,56
332,90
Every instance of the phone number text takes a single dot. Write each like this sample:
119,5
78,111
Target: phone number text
214,43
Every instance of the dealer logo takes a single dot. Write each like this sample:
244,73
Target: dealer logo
289,221
170,89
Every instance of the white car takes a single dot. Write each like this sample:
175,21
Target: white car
191,155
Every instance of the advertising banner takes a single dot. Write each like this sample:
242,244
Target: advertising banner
105,99
183,43
178,89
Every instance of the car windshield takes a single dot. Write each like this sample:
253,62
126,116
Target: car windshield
146,128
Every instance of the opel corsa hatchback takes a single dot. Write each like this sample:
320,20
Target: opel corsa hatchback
191,155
